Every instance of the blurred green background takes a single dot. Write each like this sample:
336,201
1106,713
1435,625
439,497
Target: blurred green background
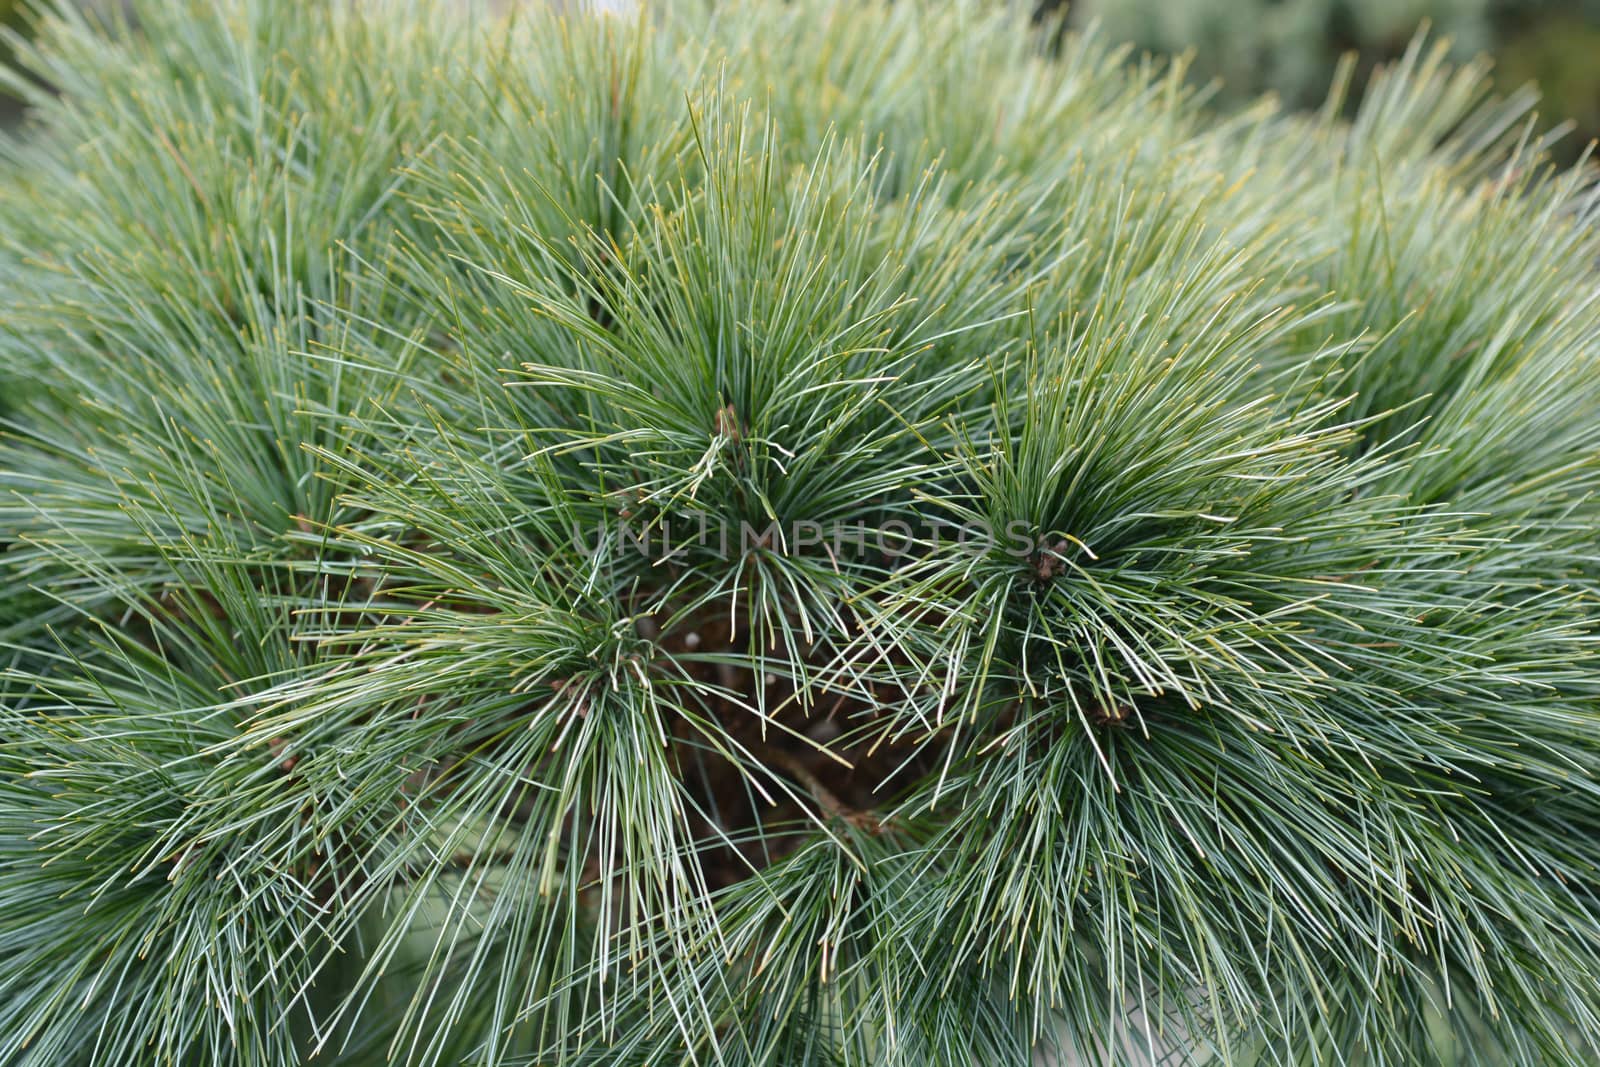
1291,47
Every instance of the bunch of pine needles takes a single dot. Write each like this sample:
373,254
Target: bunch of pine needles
790,534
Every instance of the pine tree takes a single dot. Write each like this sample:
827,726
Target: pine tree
787,534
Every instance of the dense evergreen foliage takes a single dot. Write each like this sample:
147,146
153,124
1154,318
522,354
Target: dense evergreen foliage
785,534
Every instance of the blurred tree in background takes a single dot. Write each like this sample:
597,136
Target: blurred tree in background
1562,53
1292,47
